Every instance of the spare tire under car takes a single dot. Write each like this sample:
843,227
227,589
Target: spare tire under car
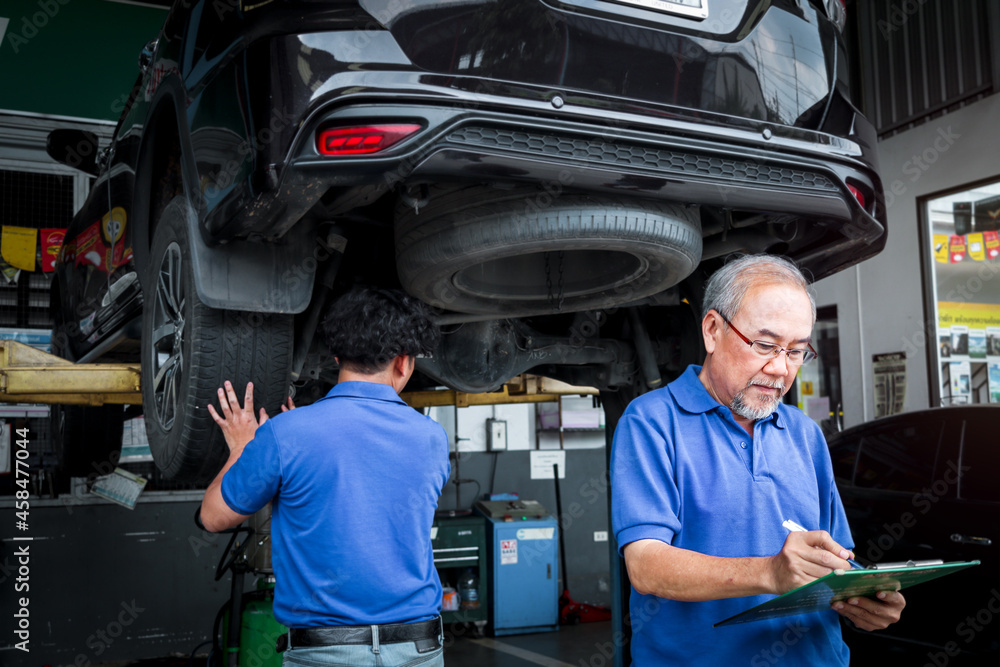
524,251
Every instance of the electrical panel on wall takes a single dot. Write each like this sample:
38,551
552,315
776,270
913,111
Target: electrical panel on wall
496,435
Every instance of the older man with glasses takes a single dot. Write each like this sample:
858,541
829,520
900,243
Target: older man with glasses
706,470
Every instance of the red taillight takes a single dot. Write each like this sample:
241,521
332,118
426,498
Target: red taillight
858,194
361,140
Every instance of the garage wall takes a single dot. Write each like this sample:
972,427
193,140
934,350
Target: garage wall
880,303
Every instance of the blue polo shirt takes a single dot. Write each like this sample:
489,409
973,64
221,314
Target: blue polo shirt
354,479
686,473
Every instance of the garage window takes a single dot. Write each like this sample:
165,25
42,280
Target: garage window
962,250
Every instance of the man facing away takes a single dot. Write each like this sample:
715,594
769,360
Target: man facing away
706,470
354,480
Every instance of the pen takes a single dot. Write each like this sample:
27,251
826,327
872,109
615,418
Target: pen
796,528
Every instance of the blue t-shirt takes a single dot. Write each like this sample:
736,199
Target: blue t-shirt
354,480
686,473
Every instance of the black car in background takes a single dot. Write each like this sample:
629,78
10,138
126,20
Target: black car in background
926,485
557,178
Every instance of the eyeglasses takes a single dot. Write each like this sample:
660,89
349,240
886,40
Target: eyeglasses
794,356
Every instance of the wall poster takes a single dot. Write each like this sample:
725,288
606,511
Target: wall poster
890,383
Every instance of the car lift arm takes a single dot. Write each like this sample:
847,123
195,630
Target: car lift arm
29,375
522,389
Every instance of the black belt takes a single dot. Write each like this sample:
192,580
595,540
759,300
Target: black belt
425,634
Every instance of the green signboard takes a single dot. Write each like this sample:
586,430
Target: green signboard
72,57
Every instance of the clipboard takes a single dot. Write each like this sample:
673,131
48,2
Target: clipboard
843,584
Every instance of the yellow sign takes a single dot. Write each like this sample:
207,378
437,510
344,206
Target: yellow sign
941,248
977,250
807,388
973,315
18,247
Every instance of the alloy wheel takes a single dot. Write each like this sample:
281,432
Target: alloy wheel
168,335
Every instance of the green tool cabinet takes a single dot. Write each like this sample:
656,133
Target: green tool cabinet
459,543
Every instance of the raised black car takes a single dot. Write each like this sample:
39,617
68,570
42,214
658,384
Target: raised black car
555,177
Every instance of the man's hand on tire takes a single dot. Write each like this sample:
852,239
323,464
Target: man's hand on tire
238,424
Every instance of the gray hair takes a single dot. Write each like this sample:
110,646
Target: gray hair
728,286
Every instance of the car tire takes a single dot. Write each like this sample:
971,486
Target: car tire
87,440
524,251
189,350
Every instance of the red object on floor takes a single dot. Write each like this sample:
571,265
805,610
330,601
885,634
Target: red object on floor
572,612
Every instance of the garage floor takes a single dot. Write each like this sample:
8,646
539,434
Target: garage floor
584,645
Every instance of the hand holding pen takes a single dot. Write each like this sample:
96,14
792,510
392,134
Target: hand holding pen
793,527
805,557
874,613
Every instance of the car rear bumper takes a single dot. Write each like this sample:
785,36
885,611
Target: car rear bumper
748,167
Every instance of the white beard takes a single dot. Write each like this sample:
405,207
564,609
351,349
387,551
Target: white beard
739,404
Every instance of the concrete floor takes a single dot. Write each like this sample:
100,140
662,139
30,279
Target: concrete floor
584,645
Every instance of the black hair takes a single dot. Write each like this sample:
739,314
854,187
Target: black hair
367,327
